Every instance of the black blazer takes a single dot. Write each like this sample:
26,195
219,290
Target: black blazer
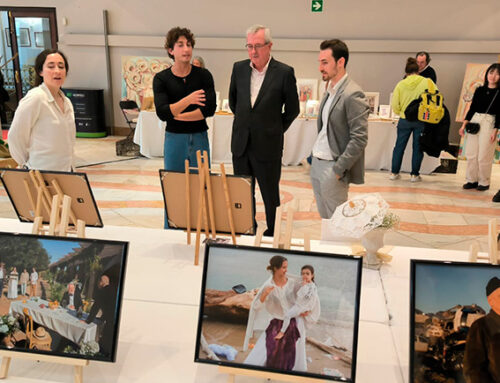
264,124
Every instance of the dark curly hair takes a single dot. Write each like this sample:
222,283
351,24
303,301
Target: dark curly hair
174,34
40,60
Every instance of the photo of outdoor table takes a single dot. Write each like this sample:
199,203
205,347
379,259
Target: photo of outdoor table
62,321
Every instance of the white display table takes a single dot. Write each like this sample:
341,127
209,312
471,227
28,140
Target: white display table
160,313
298,143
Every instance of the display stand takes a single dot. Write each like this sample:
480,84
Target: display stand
206,198
492,256
233,372
285,242
8,355
58,207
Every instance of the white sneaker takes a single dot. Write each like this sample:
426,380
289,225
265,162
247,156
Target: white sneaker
414,178
394,177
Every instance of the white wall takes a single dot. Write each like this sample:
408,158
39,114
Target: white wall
381,34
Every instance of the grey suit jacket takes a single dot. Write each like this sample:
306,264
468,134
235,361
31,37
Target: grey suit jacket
347,131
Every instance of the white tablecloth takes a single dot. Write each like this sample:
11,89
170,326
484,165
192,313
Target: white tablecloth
162,283
150,134
59,320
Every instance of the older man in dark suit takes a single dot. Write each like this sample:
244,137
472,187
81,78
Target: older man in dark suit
263,97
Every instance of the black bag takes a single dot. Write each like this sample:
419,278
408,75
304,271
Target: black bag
411,111
472,127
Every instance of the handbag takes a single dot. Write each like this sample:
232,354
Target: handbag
473,126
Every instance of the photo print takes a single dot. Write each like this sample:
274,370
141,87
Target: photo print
61,296
281,311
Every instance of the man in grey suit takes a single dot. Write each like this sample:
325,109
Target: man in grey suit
263,97
338,153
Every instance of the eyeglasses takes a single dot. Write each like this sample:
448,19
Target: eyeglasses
251,47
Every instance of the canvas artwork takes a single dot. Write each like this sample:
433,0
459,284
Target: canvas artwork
373,101
137,76
473,78
307,326
451,305
61,296
307,89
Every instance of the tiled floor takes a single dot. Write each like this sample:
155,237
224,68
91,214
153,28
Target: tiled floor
434,213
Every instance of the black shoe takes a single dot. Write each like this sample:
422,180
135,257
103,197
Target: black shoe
470,185
496,197
483,187
268,233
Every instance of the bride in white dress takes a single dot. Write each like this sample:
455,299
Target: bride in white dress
13,279
276,296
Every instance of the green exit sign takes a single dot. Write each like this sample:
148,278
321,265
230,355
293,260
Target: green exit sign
317,5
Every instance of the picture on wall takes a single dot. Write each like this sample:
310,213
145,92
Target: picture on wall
290,312
473,78
307,88
373,101
24,37
39,40
61,296
7,36
454,318
137,76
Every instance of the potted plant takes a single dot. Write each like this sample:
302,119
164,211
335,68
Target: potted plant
8,325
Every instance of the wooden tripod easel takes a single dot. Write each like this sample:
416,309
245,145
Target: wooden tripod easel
233,372
285,242
205,214
492,256
57,206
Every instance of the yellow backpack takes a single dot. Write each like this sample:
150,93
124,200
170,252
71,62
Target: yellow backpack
431,108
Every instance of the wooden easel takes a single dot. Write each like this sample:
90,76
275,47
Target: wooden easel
206,216
285,242
58,207
8,355
233,372
492,256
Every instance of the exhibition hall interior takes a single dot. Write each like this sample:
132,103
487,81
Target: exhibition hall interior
343,224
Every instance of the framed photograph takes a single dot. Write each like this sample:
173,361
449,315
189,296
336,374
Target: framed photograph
240,193
307,89
24,37
75,185
453,307
259,305
63,295
225,106
39,43
385,111
7,37
373,101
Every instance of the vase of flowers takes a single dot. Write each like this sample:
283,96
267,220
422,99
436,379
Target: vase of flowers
373,240
8,325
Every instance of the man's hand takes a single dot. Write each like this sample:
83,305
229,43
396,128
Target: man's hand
197,97
305,313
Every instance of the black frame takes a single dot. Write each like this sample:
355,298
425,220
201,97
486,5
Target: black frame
284,253
83,175
119,297
413,266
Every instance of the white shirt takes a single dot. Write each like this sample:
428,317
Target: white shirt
41,135
34,277
321,148
256,80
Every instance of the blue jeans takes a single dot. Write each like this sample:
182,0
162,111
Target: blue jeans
405,129
181,146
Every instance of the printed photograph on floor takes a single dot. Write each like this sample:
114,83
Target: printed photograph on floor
61,296
278,310
455,322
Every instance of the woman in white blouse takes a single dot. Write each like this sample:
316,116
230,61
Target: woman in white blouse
42,134
276,296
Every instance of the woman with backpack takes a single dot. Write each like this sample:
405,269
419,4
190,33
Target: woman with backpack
480,145
406,91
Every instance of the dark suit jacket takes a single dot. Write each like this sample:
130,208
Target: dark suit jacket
264,124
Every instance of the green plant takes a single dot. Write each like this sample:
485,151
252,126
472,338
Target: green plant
56,291
390,221
8,324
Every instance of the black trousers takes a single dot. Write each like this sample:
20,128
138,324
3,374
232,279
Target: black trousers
267,174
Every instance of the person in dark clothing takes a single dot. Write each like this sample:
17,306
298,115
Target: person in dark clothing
424,69
184,96
482,350
104,301
480,147
72,298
